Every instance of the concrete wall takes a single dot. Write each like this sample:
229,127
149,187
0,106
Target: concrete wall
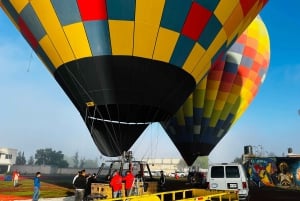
47,169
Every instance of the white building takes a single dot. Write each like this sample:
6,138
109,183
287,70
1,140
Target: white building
7,159
168,165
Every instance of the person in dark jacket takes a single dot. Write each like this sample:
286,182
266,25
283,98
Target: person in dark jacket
162,181
80,185
90,180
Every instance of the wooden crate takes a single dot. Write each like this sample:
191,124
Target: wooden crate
104,189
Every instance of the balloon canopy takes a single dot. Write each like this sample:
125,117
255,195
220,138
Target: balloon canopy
125,63
222,96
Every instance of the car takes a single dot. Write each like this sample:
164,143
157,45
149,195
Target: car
228,176
178,173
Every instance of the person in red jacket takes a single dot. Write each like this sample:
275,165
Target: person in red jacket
116,184
129,179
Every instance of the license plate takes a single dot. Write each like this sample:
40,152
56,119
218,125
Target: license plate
232,185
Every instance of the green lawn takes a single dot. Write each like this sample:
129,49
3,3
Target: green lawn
54,186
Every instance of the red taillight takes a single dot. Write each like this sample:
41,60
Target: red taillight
244,185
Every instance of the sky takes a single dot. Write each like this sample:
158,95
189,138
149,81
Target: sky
35,113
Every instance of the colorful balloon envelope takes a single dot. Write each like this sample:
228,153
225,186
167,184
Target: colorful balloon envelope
125,63
222,96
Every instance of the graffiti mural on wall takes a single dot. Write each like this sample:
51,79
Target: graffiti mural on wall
273,171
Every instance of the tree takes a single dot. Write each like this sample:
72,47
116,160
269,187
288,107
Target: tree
181,165
82,163
238,160
20,159
76,160
31,160
90,163
50,157
201,161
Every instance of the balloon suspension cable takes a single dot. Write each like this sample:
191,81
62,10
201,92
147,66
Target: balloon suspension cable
120,122
92,126
30,60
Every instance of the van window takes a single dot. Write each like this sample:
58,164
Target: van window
232,172
217,172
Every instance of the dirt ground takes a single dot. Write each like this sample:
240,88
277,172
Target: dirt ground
274,194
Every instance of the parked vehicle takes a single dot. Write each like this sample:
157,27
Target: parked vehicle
178,173
228,176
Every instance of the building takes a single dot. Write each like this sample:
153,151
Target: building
168,165
7,159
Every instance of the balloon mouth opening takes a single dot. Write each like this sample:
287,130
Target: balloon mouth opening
119,122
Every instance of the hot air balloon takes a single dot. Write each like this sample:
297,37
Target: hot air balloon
125,63
222,96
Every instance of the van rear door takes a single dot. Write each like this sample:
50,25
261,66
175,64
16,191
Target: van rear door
217,178
233,177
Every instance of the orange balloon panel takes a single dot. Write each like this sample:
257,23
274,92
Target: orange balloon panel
223,96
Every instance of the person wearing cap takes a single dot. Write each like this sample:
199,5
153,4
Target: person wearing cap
36,187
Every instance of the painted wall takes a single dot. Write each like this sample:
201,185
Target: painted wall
273,171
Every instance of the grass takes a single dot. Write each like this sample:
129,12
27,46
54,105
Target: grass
57,186
51,186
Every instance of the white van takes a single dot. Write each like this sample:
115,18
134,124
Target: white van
228,176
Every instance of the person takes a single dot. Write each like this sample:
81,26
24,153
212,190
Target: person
129,181
176,175
15,176
36,186
80,185
162,180
75,177
91,179
116,184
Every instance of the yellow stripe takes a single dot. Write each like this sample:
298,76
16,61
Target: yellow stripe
219,104
214,118
147,21
180,117
188,107
230,26
166,42
52,54
121,35
232,98
199,93
224,9
211,94
202,68
214,84
193,58
19,4
209,105
225,111
51,24
80,47
217,43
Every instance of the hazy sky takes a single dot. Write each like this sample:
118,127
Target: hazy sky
35,113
